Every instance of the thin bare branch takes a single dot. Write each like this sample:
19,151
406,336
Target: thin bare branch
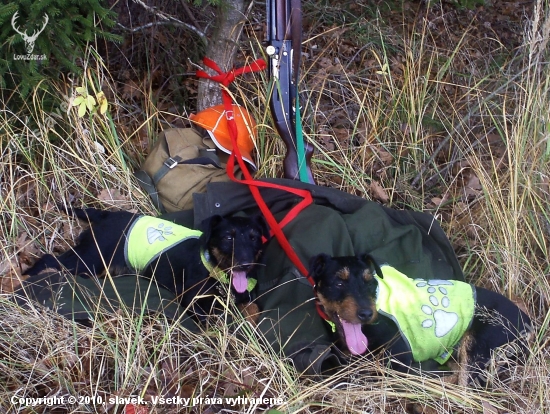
167,20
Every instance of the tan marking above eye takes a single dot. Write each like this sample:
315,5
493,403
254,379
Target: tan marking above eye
343,273
367,275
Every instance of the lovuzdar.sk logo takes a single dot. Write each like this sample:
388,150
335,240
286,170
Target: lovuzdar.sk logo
29,39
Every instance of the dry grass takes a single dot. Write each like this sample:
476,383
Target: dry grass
473,150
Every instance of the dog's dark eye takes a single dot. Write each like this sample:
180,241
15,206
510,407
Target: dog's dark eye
339,284
229,237
253,238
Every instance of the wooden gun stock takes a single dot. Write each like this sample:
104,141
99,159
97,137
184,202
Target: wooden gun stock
283,124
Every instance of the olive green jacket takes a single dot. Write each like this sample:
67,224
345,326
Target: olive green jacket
336,224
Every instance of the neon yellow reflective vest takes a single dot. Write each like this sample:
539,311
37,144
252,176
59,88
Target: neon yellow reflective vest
432,315
148,237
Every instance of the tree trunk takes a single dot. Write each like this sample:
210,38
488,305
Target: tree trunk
222,49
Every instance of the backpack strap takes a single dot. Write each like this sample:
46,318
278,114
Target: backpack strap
207,156
147,185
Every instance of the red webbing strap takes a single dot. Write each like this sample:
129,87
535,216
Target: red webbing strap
225,79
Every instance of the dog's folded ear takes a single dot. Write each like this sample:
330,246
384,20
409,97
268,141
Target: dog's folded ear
317,265
262,224
372,265
208,224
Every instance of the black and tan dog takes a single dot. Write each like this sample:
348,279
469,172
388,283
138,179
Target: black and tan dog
187,262
413,320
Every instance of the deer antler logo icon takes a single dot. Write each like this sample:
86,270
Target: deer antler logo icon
29,40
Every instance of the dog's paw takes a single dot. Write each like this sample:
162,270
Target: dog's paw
251,312
158,234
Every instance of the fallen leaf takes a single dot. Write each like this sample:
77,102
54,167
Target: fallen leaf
131,90
171,379
11,281
25,189
8,265
473,187
231,389
437,201
460,208
249,379
114,196
102,102
378,192
27,250
488,408
385,157
135,409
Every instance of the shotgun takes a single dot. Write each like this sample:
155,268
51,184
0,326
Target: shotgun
284,39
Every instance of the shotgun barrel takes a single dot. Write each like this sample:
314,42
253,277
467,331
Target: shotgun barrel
284,38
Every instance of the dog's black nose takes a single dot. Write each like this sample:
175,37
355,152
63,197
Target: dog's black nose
245,267
365,315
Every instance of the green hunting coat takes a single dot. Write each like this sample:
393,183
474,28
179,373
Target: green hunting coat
336,224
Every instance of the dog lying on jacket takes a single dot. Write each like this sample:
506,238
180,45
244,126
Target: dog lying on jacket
187,262
414,320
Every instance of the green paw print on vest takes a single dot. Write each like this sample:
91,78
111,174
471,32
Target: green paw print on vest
441,320
159,233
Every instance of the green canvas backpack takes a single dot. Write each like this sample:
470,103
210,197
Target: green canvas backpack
181,163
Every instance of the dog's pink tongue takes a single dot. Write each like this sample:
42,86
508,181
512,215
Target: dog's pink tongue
355,338
240,282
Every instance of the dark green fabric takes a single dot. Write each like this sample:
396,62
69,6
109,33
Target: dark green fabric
82,299
337,224
230,198
286,297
